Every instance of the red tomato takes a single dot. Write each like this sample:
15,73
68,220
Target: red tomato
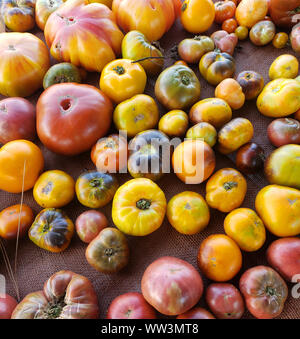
171,285
130,306
7,306
72,117
196,313
224,10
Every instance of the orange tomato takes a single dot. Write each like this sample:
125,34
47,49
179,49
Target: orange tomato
229,25
249,12
193,161
231,91
18,15
224,10
18,159
219,257
226,190
10,218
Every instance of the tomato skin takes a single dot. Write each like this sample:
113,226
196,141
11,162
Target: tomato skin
280,40
265,292
219,258
18,16
250,158
230,25
66,295
249,12
130,305
43,9
285,66
225,301
252,84
139,207
295,38
241,32
60,73
121,79
196,313
262,33
191,50
284,131
282,12
9,221
278,207
177,87
7,306
171,285
91,27
14,157
191,21
224,41
108,252
26,52
88,119
231,91
174,123
17,120
205,131
224,10
89,224
283,255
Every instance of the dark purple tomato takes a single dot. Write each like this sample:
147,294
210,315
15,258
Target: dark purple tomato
250,158
284,131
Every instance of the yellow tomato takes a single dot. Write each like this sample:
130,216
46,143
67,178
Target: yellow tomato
280,40
139,207
188,212
245,227
54,189
249,12
174,123
204,131
279,208
197,15
279,98
226,190
285,66
121,79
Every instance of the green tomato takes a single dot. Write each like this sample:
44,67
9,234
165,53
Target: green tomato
59,73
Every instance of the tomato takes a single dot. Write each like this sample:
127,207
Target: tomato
285,66
216,66
95,189
135,46
224,10
231,91
262,33
249,12
245,227
66,295
136,114
280,40
252,83
30,59
193,161
109,154
109,251
7,306
151,17
219,257
224,41
20,160
242,32
139,207
181,63
60,73
196,313
177,87
226,190
89,224
190,19
229,25
149,154
43,9
18,15
295,38
171,285
174,123
10,218
17,120
282,12
265,292
279,209
283,165
90,27
204,131
284,131
279,98
72,117
214,111
130,305
107,3
188,212
51,230
191,50
121,79
283,255
250,158
225,300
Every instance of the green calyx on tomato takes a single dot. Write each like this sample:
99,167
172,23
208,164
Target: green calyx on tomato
230,185
143,204
119,70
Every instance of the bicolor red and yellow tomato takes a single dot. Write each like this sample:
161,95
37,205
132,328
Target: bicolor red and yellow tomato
43,9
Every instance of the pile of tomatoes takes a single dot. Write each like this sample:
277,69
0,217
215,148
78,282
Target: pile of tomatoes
119,40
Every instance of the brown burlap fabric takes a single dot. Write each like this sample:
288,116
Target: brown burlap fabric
36,265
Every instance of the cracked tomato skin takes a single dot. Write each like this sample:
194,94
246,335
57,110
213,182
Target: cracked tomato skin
66,295
265,292
84,34
171,285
